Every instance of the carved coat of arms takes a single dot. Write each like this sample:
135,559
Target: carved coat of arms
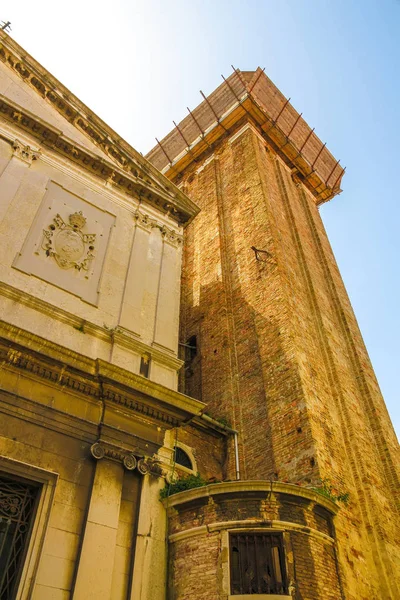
67,244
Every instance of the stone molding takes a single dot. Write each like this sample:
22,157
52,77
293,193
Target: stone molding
48,480
24,152
250,525
144,465
50,417
96,379
132,183
118,335
125,168
146,222
241,487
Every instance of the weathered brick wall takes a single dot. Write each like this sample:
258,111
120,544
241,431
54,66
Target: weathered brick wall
281,356
209,450
198,559
193,569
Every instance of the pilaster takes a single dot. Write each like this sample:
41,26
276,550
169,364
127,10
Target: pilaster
96,563
12,176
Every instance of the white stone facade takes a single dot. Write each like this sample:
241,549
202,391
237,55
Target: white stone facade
109,289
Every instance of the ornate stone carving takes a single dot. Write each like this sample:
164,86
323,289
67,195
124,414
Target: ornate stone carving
21,359
97,451
145,466
155,468
129,462
44,370
150,466
23,152
70,247
170,235
295,176
139,407
130,180
144,220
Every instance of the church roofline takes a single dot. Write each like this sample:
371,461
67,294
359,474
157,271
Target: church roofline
126,167
251,95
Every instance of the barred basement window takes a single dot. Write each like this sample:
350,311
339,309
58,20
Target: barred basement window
257,564
18,501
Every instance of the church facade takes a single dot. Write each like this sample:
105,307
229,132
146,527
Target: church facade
179,321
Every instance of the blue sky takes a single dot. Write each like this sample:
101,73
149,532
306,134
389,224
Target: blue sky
139,64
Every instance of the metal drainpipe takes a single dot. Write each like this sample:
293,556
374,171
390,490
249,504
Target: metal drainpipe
235,439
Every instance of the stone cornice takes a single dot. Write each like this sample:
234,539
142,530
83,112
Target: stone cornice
117,335
127,169
242,487
250,525
130,182
94,378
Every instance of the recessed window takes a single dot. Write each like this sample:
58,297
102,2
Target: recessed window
181,458
191,349
144,366
18,501
257,564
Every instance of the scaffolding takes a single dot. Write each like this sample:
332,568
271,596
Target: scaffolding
271,113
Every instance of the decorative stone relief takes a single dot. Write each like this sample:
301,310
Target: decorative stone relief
172,237
146,222
25,153
66,242
145,466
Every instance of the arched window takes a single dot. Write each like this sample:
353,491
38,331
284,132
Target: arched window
181,458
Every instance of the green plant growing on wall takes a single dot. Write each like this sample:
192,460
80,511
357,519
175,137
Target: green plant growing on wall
221,420
186,483
326,489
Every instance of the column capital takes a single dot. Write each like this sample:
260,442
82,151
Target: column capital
144,465
25,153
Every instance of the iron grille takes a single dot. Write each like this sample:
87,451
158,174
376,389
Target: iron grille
17,509
257,564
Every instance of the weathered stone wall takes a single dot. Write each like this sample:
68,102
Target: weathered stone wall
280,353
26,441
120,305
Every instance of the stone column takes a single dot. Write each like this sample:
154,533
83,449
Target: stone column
96,563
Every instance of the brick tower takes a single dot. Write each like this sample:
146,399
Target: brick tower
273,346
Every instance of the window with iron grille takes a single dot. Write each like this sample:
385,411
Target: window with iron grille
257,563
18,500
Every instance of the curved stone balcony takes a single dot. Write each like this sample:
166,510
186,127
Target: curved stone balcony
252,539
